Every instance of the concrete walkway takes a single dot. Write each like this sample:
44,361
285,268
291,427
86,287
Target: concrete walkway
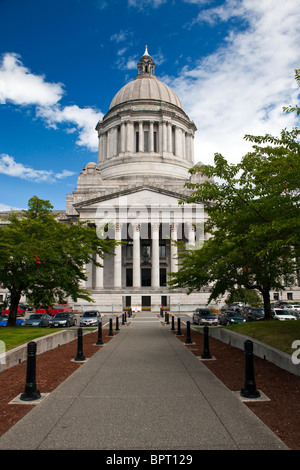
143,390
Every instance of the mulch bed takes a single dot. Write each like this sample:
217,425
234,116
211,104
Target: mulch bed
281,413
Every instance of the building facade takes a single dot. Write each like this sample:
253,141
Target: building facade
146,148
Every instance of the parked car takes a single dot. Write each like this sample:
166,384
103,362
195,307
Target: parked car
203,316
37,319
20,311
4,320
63,319
230,317
53,310
253,313
294,308
90,318
282,314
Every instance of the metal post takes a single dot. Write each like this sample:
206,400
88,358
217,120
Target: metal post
117,323
80,355
99,341
123,318
188,333
206,353
178,327
31,392
249,390
167,318
110,333
173,323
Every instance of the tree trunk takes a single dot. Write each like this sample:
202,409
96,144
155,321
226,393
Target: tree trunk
267,304
15,297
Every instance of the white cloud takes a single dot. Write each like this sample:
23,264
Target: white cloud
19,86
241,88
9,167
22,88
85,120
141,4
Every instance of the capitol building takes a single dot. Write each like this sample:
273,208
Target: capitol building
132,194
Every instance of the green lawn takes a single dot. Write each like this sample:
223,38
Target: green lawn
15,336
279,334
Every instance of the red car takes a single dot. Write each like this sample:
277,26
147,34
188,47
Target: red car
20,311
57,308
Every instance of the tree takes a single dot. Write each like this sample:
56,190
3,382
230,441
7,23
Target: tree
39,253
254,220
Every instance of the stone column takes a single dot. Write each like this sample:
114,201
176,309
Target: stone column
123,136
129,139
151,137
141,136
136,275
118,258
192,232
169,130
99,273
164,136
174,266
155,255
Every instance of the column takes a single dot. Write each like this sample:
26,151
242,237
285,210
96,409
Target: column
118,258
155,255
174,261
141,136
99,273
151,137
129,137
169,130
164,136
136,275
123,136
191,235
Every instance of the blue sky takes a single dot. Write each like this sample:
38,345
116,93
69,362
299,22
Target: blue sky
231,62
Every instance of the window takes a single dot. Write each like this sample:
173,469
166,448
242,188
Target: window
136,141
162,250
146,277
128,301
155,141
276,296
290,295
146,141
129,250
163,277
129,282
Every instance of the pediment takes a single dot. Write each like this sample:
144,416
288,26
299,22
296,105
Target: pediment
138,196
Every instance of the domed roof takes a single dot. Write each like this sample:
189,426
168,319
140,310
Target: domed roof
146,86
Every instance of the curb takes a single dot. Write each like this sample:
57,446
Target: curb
262,350
45,343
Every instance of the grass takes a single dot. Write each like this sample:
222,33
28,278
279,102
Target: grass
278,334
15,336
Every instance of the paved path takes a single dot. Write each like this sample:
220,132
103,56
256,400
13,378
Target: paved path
143,390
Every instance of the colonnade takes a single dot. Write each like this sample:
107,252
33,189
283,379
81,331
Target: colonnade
153,137
154,262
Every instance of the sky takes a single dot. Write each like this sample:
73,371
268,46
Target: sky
231,62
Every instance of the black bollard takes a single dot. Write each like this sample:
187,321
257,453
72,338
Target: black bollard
161,312
110,333
173,323
188,333
206,353
31,392
99,341
123,318
167,318
80,355
249,390
117,324
178,327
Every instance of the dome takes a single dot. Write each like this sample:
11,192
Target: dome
146,86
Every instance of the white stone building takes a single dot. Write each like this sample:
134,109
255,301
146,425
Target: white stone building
146,147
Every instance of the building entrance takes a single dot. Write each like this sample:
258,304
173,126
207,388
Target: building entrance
146,302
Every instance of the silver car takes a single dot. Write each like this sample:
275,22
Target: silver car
90,318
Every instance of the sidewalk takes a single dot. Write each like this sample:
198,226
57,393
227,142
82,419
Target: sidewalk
143,390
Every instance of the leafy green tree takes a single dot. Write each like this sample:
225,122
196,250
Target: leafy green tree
38,252
254,220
